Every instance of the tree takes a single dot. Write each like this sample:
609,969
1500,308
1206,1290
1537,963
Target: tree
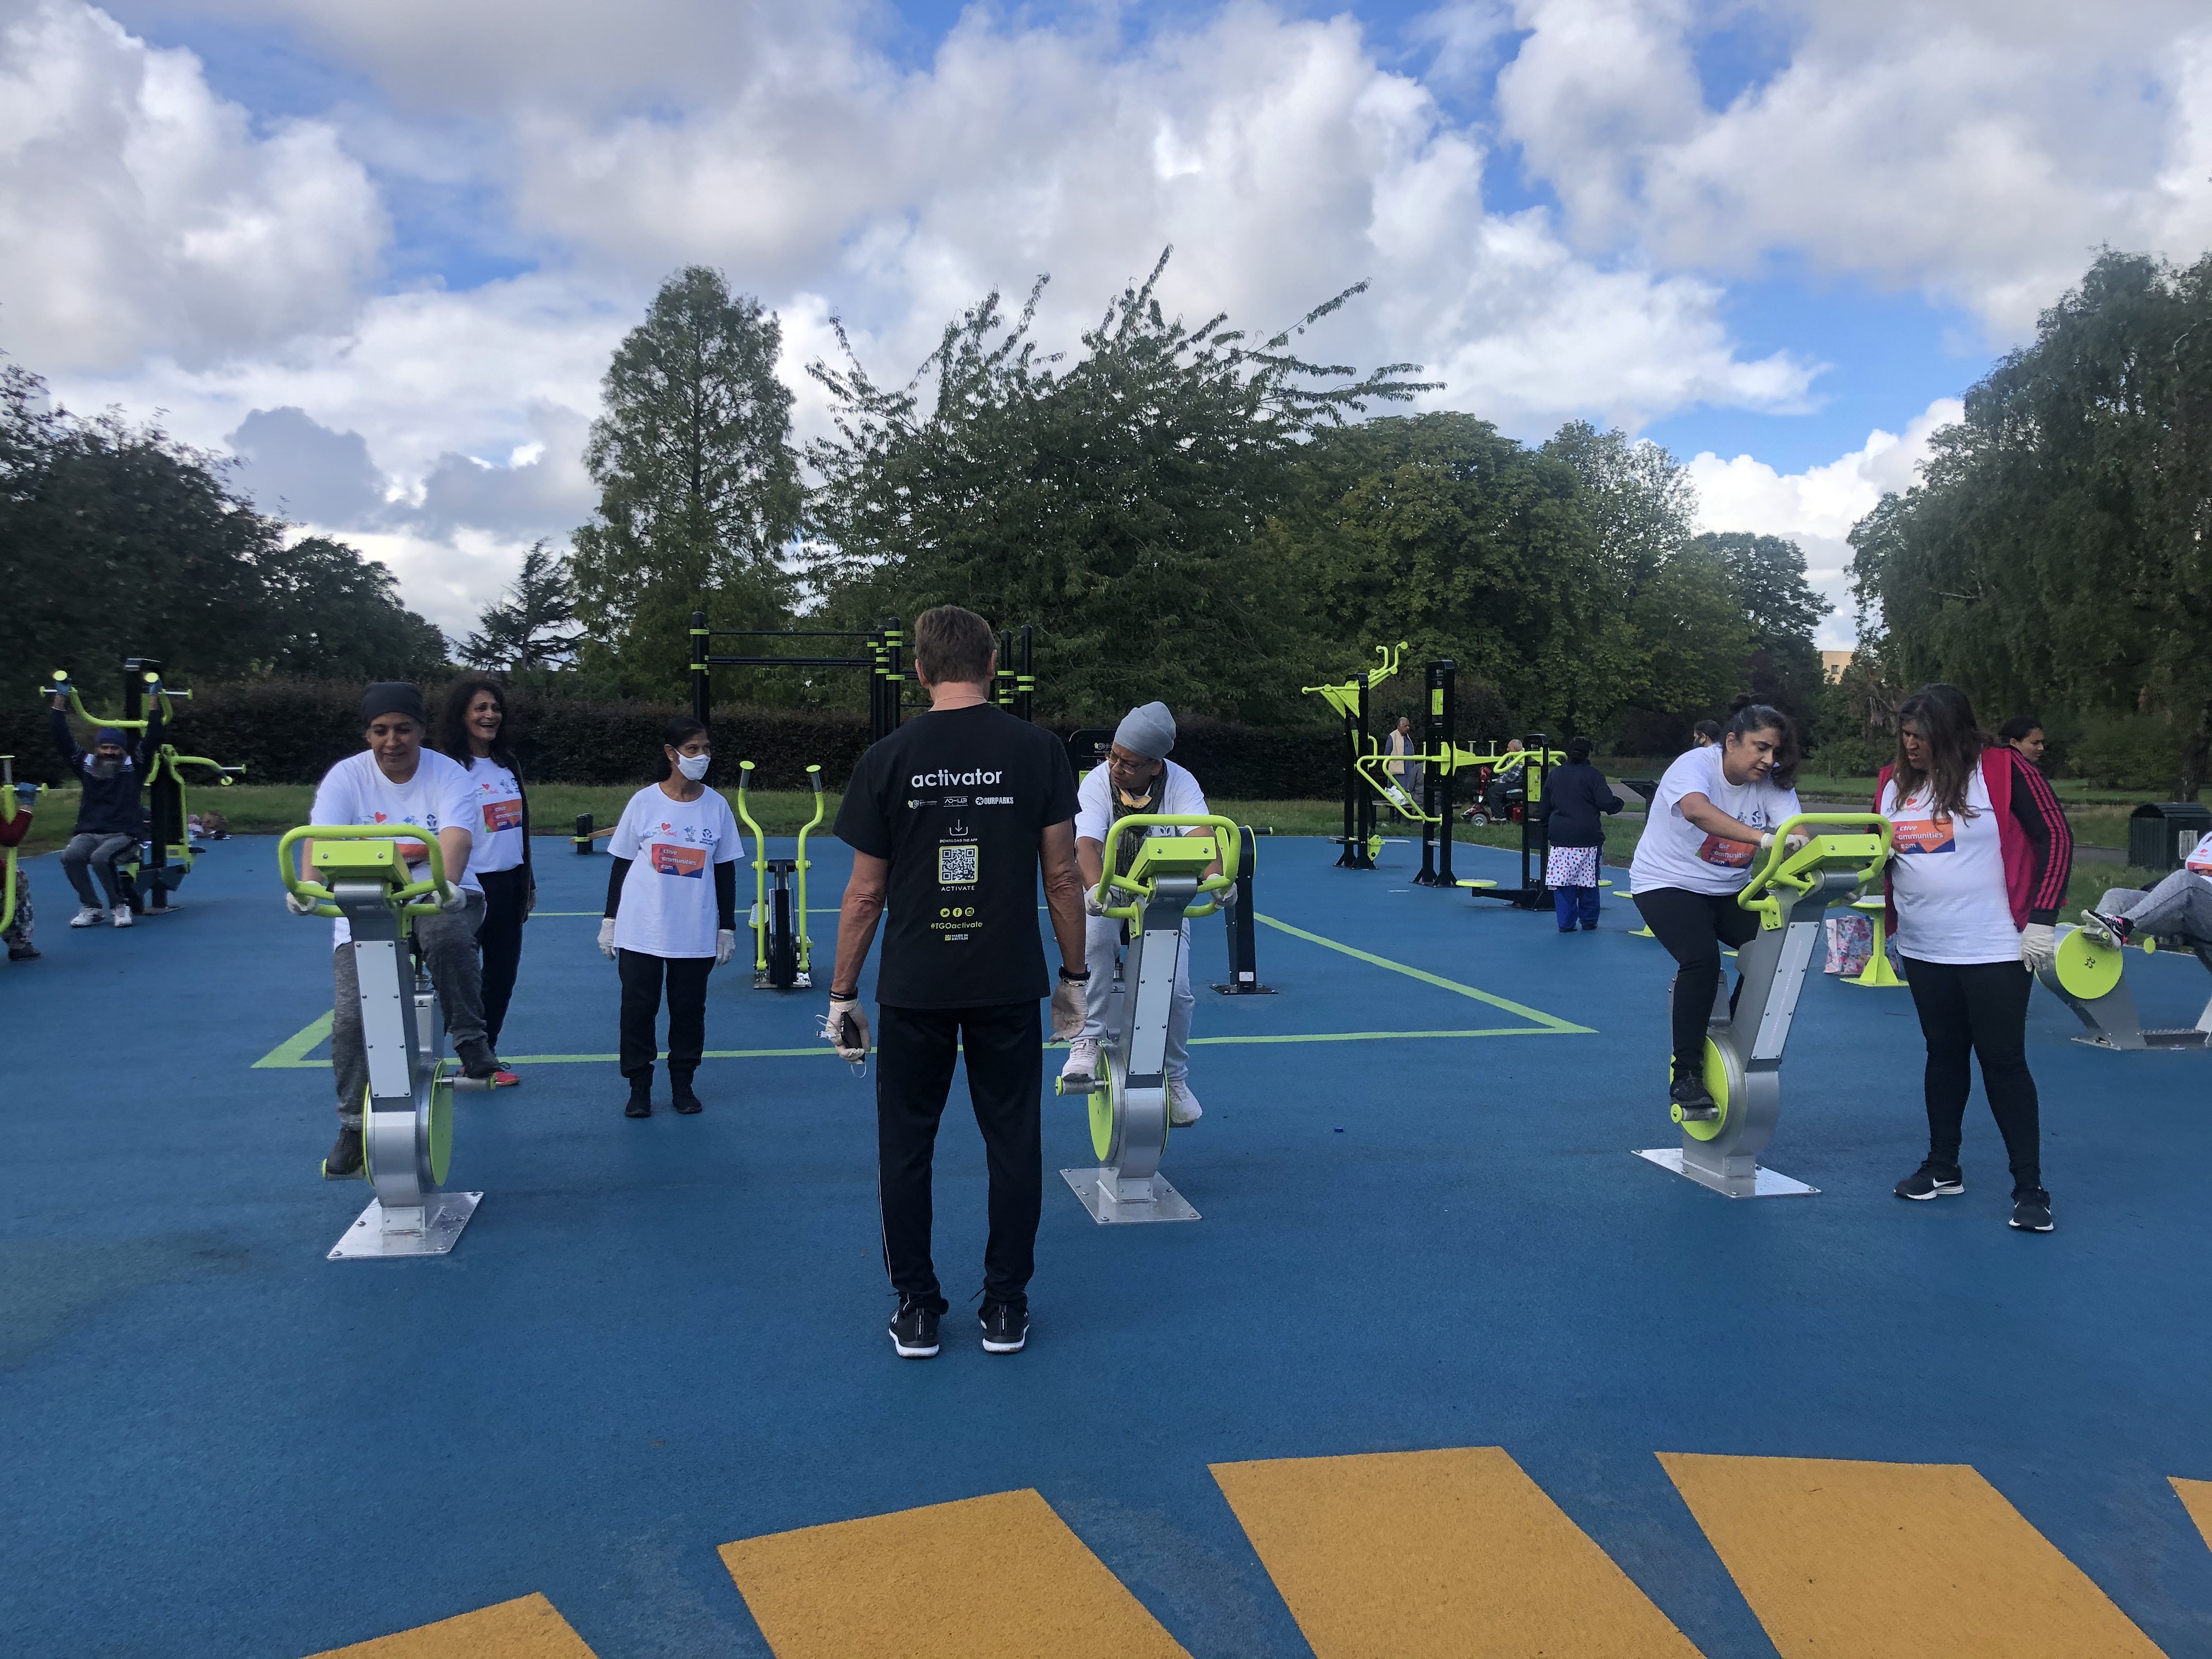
699,490
529,629
1767,574
332,614
1114,500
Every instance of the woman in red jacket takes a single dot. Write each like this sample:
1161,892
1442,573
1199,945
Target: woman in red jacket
1979,868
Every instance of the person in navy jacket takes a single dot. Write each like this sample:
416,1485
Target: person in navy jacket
1577,801
110,822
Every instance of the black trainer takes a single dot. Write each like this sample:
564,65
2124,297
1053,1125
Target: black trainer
683,1099
1933,1180
914,1331
2031,1211
641,1096
344,1163
478,1060
1696,1100
1005,1328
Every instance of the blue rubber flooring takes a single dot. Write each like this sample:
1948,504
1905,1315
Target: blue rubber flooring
657,1337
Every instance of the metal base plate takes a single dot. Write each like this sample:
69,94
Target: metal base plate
368,1239
1167,1204
1246,990
1770,1185
2187,1040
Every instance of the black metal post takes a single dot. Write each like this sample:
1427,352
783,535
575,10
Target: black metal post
1438,735
164,794
1348,858
1025,686
702,692
581,841
1533,837
1243,946
895,679
1364,797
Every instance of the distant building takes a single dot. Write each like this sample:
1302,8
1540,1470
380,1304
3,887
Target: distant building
1833,663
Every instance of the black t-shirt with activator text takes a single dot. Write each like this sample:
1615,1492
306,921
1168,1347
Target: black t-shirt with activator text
956,801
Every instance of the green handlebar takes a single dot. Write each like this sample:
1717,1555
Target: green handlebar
1228,839
1780,867
287,871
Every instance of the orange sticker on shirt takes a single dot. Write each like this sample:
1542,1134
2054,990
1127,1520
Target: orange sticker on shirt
1915,835
669,860
502,815
1729,854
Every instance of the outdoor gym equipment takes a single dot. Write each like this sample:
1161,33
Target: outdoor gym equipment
883,660
407,1117
1244,979
1167,886
14,797
1443,763
1349,698
783,954
1791,893
2086,975
165,857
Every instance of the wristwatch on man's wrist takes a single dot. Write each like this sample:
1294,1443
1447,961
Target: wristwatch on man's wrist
1083,978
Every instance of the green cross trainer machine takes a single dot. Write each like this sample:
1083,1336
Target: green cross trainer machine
407,1119
783,952
1167,886
1791,893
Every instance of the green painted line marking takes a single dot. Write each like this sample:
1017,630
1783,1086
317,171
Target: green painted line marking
293,1051
1397,1037
1549,1022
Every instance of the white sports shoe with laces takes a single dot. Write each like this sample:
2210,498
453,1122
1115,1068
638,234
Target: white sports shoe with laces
1183,1108
1082,1068
88,915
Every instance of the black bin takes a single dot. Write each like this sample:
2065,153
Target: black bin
2161,833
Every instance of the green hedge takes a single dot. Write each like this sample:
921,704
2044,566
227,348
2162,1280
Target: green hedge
290,731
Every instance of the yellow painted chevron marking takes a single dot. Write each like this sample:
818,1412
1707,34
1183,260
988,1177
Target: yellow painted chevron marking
997,1578
1895,1561
2197,1498
1403,1555
529,1628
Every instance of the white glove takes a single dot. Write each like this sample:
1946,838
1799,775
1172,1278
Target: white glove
2039,945
725,946
1068,1010
1093,904
299,904
1796,841
1227,896
607,937
847,1029
453,899
1765,839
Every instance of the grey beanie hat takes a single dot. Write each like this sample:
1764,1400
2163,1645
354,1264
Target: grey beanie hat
393,697
1149,732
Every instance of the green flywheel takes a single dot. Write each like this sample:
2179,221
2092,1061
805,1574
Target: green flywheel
1101,1118
441,1124
1716,1086
2087,968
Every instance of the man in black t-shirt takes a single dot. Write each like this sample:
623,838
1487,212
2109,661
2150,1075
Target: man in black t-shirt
950,819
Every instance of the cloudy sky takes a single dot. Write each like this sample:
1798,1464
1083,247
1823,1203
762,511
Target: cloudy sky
380,251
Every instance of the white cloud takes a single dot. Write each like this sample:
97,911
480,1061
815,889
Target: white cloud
1817,507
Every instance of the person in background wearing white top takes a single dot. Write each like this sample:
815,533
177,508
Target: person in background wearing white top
1137,777
671,912
397,780
472,728
1980,859
1715,809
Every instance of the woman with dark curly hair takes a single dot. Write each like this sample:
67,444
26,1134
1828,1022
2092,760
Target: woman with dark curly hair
472,728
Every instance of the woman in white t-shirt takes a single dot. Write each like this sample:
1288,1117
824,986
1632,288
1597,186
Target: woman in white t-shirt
472,728
1715,809
1979,860
671,912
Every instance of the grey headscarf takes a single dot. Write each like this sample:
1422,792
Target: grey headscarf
1149,731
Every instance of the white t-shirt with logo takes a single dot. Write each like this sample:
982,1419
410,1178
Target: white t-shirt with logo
1674,853
498,826
668,907
2199,862
1948,878
1094,802
438,797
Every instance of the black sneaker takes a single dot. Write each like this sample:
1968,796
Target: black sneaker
641,1096
1696,1100
683,1100
1005,1328
2031,1211
2108,927
344,1163
914,1331
1933,1180
23,953
478,1060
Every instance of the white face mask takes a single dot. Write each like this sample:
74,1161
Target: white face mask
694,767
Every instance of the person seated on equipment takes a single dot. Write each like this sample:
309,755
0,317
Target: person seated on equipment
110,822
396,780
1137,777
12,831
2179,907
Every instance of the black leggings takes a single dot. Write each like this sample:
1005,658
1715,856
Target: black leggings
1978,1008
498,938
1693,926
642,975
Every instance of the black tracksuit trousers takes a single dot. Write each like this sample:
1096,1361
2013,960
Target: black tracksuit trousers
499,940
1693,926
640,973
915,1052
1973,1009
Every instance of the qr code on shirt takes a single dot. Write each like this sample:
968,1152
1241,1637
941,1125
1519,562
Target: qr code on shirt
956,865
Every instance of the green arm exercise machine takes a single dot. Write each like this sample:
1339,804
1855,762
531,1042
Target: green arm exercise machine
783,951
1349,698
14,798
407,1119
1791,893
165,855
1167,886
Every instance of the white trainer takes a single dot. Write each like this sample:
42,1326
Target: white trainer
1082,1068
1183,1108
123,916
88,915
